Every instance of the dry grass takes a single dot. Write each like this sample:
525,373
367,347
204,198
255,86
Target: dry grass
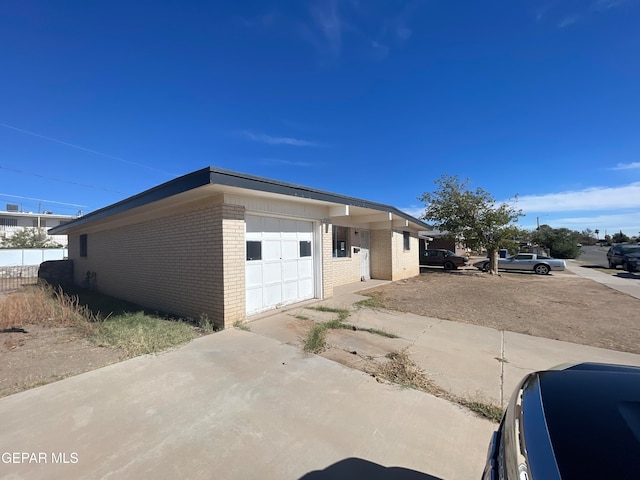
43,306
134,333
400,369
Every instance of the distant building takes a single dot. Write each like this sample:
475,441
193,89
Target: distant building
12,220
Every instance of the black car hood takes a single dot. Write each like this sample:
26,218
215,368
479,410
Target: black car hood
593,419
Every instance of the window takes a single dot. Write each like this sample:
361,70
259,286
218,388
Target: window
406,240
341,242
43,223
305,248
254,250
8,222
83,245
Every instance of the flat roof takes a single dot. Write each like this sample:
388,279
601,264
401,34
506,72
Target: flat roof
217,176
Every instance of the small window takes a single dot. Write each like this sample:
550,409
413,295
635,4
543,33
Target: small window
8,222
341,247
83,245
305,248
254,250
406,240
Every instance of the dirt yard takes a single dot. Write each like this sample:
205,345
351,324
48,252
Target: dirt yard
560,306
34,355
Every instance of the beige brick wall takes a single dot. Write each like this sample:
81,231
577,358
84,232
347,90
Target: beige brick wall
405,262
381,259
327,263
177,263
346,269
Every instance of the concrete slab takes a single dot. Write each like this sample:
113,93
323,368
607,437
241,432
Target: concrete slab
624,282
525,354
234,405
463,359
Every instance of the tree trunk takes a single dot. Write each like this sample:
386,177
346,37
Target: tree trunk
493,261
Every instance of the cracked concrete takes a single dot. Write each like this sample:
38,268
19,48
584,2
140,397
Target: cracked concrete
469,361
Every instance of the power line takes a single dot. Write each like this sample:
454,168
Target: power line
63,181
85,149
42,200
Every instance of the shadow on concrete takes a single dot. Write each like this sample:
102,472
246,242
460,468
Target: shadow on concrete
632,276
351,468
594,266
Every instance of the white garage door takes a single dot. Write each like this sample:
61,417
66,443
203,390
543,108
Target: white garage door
279,262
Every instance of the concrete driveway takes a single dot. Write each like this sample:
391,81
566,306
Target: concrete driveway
235,405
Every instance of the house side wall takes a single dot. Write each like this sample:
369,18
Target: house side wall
381,259
176,263
405,262
233,271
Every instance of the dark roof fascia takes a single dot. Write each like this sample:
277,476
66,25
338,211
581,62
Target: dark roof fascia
215,176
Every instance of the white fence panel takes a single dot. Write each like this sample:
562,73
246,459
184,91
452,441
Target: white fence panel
10,257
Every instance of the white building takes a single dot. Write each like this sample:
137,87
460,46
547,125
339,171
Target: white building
12,220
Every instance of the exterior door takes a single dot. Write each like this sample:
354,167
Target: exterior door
279,262
365,261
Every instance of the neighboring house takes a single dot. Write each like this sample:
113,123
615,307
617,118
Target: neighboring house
439,240
228,245
12,220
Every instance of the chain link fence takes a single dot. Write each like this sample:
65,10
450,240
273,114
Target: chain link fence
15,277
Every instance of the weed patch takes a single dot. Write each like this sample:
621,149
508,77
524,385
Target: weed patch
400,369
341,312
138,333
373,301
486,410
241,326
205,324
43,306
315,341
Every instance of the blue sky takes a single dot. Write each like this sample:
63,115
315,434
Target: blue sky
373,99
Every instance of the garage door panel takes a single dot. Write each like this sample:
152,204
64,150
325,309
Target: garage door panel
305,288
271,273
272,294
254,299
289,271
280,275
253,275
305,268
289,291
271,250
289,249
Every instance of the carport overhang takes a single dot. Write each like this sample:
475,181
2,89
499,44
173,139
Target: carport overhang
209,182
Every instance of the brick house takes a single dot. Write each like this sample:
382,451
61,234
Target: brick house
230,245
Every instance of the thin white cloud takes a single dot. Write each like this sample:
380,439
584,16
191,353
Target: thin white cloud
414,211
595,198
570,20
627,166
271,140
602,5
292,163
328,22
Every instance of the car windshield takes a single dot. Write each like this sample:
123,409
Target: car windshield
631,249
449,252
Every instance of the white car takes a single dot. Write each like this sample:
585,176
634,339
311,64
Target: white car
528,262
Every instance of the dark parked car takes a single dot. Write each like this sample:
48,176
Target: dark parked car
571,422
439,257
626,255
